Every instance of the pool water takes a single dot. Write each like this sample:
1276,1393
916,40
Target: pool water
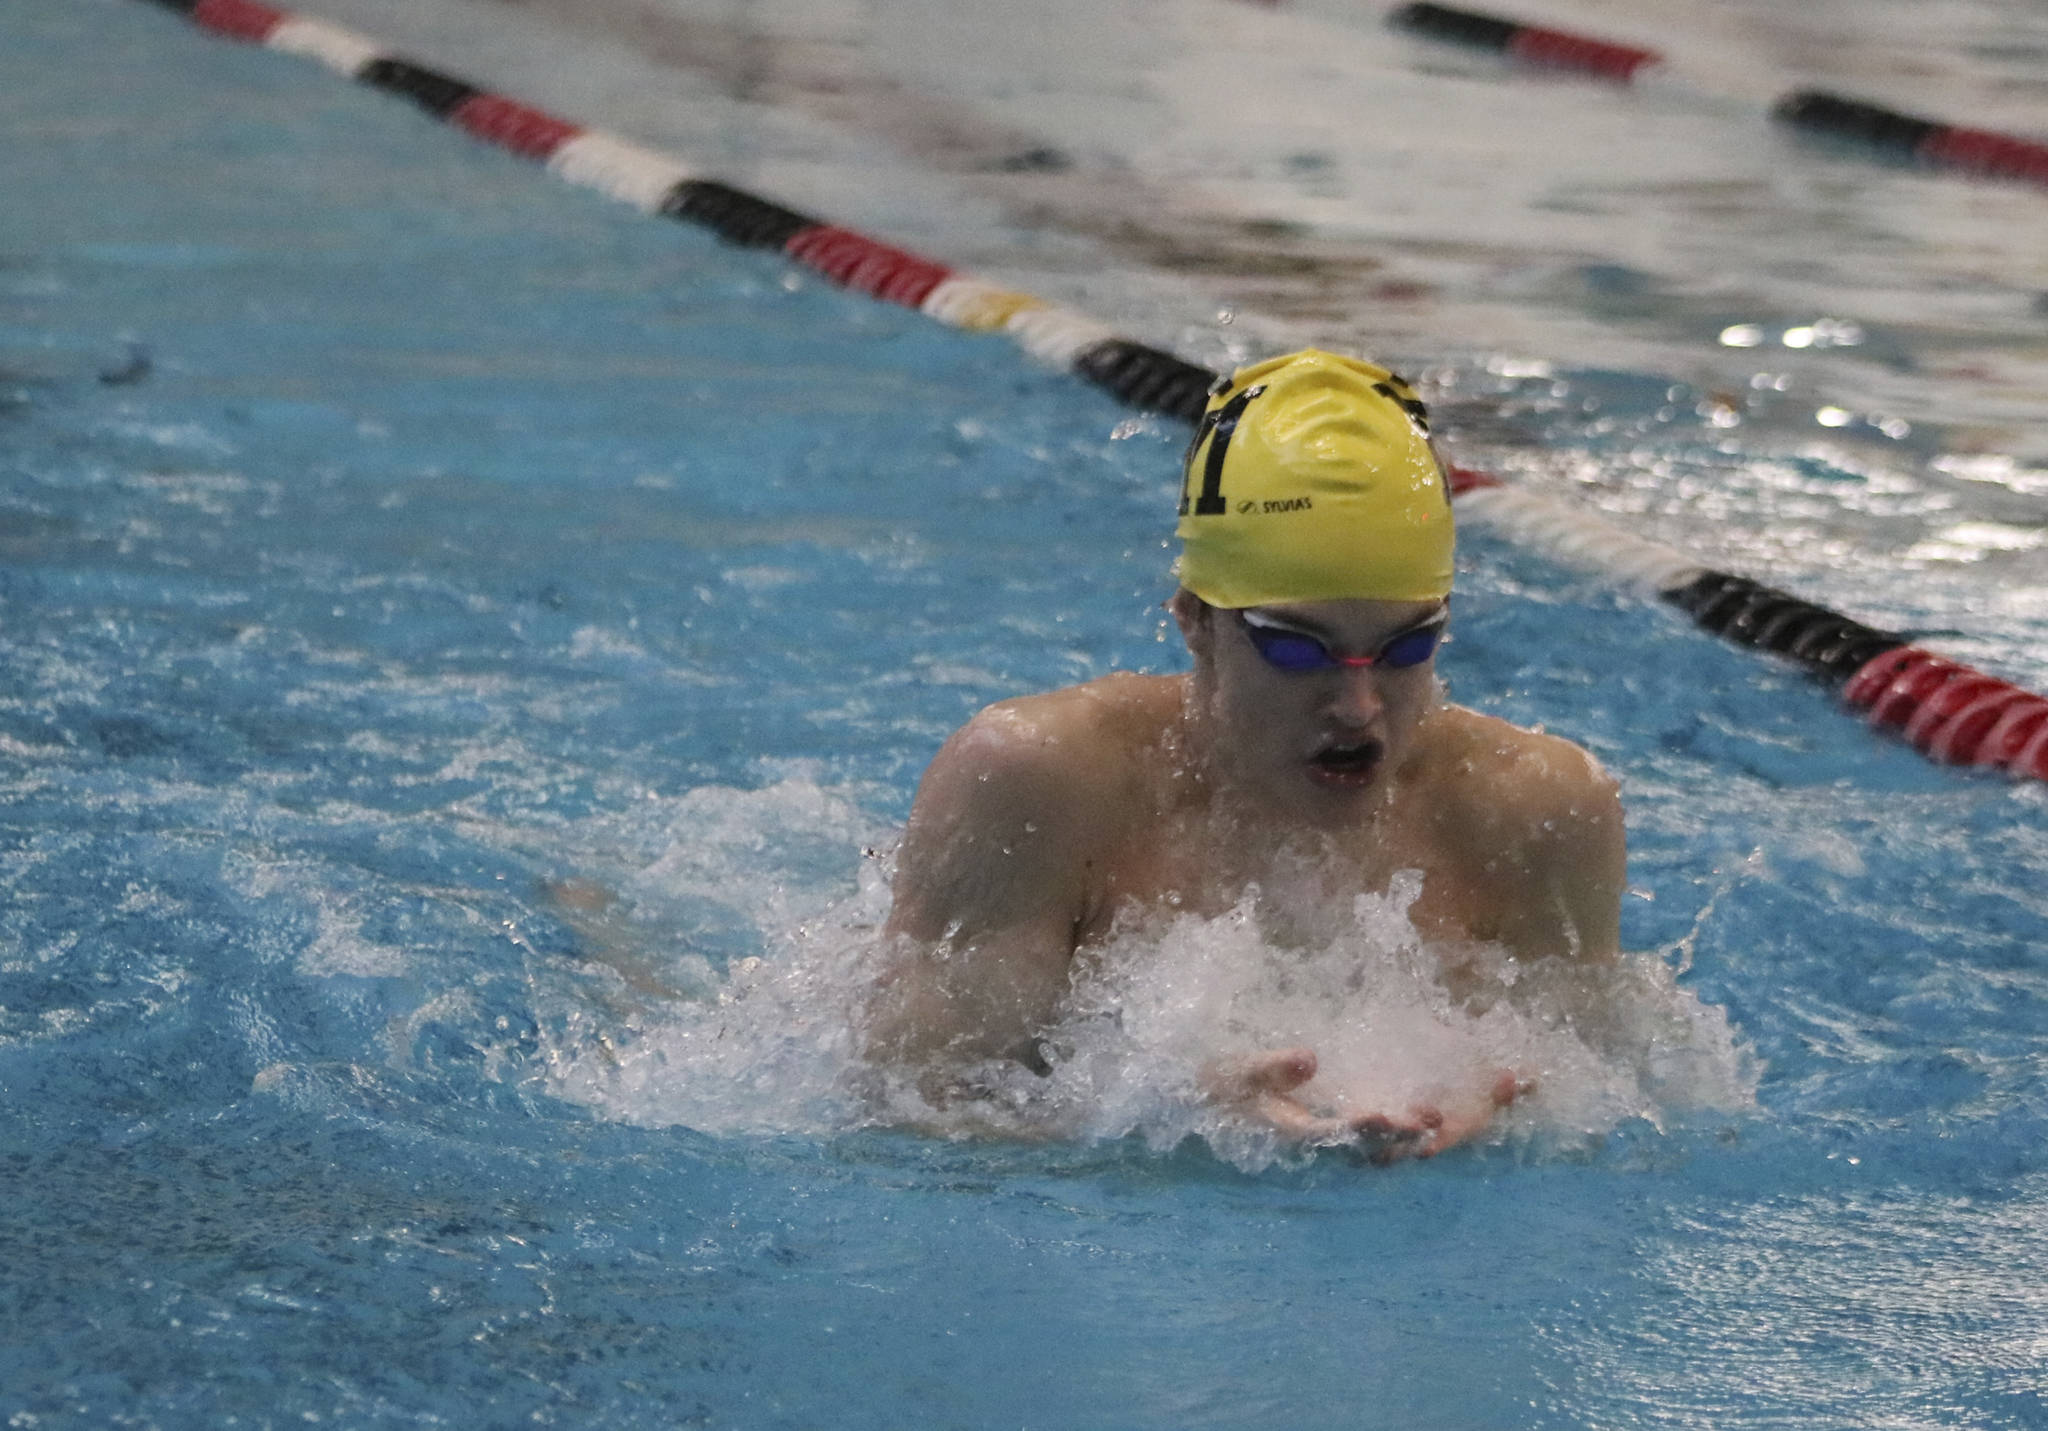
395,545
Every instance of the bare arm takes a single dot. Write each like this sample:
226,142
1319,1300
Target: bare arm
1569,856
989,894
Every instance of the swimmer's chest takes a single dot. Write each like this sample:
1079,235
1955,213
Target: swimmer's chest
1167,875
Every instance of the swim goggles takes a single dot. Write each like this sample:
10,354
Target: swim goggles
1296,652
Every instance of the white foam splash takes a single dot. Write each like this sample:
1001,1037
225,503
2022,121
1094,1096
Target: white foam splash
1602,1045
717,975
769,1042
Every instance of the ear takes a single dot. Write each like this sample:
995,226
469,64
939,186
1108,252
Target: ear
1196,619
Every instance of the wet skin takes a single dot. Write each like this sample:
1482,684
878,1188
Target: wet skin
1305,745
1047,819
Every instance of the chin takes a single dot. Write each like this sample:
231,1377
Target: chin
1327,800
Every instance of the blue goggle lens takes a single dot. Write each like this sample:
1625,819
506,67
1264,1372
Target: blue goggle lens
1297,652
1290,651
1411,648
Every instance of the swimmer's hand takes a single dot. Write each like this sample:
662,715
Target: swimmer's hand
1262,1087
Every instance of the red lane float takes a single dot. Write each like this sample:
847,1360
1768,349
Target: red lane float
1954,713
1972,735
241,19
1561,50
1532,44
528,132
866,266
1983,151
2018,725
1464,479
1976,151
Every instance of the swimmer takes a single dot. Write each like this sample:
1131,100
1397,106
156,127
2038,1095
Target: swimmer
1315,578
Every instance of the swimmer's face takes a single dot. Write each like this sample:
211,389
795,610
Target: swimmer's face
1313,741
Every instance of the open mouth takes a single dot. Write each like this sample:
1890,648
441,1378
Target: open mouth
1346,764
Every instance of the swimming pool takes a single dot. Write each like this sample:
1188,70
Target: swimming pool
388,533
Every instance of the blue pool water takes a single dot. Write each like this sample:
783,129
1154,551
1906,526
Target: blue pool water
389,536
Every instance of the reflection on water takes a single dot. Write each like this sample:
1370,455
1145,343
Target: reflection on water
1303,163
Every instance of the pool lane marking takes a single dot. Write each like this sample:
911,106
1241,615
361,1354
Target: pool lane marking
1983,152
1948,711
1533,44
618,169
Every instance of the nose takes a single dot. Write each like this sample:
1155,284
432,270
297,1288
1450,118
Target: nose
1354,702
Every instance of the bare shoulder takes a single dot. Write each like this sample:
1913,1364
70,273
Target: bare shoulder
1504,775
1020,803
1544,818
1060,743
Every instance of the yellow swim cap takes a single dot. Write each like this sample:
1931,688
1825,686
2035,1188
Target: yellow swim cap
1311,479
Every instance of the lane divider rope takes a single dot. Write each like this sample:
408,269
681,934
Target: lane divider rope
1983,152
1947,710
1534,44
